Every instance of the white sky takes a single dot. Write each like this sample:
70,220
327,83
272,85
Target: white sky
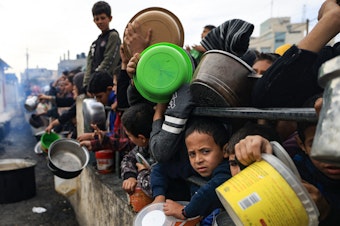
48,29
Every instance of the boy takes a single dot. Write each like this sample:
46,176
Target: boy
104,52
205,139
100,87
137,124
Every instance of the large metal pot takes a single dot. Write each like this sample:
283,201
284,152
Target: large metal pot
17,180
31,103
221,79
66,158
94,113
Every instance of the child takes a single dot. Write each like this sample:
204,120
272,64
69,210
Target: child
104,52
205,139
100,86
137,123
322,180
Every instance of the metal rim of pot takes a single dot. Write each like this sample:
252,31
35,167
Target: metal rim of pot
81,153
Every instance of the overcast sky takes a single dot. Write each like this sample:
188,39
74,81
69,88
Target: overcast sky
48,29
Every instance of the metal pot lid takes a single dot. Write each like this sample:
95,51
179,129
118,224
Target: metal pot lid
166,27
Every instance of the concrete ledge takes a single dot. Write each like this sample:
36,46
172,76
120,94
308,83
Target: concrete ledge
99,199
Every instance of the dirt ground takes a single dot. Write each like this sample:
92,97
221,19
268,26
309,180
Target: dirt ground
20,144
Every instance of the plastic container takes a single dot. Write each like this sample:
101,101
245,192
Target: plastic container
161,70
47,139
153,215
139,199
267,193
105,161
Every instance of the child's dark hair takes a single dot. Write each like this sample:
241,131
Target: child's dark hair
252,128
99,82
211,126
303,125
138,119
271,57
101,7
209,27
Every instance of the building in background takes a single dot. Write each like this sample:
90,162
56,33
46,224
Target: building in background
275,32
69,64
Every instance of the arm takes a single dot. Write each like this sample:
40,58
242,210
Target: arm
327,27
129,171
280,85
167,136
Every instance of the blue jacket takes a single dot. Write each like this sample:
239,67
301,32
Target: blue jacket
205,199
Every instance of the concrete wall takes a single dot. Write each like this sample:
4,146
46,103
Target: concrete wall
97,199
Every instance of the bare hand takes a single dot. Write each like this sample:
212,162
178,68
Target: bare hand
132,65
85,136
249,149
172,208
129,185
87,144
319,200
134,38
140,166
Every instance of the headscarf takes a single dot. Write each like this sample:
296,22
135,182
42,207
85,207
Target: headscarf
232,36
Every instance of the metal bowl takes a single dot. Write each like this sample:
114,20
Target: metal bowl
94,113
67,158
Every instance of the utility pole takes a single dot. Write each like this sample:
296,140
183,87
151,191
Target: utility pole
307,26
27,59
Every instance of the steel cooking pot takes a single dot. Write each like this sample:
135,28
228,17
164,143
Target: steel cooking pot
17,180
93,113
66,158
222,79
31,103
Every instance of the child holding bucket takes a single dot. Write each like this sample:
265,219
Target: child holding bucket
322,180
137,123
205,139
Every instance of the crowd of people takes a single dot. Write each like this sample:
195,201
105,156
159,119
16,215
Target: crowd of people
178,145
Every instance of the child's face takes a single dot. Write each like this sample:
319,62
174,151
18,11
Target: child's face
204,154
102,21
139,141
329,170
102,97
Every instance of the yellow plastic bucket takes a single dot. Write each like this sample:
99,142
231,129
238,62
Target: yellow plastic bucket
267,193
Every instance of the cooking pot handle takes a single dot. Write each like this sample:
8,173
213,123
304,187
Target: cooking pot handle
50,167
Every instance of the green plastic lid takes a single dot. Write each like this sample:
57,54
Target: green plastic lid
161,70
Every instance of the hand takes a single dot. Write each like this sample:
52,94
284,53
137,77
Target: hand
320,201
140,166
43,97
98,133
85,136
249,149
199,48
49,128
134,38
159,199
132,65
172,208
129,185
318,105
87,144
